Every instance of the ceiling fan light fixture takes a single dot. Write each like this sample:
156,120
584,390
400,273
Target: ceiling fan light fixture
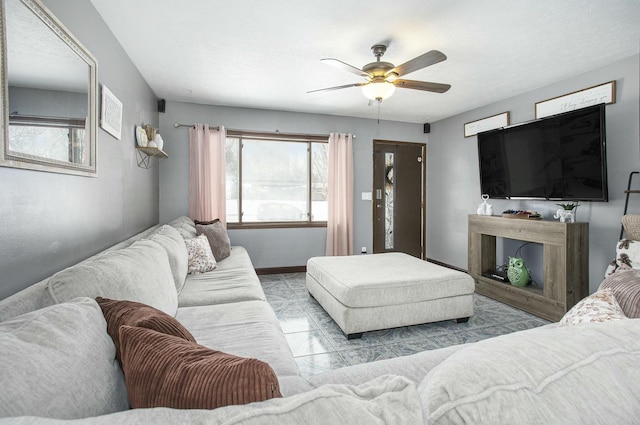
392,77
378,90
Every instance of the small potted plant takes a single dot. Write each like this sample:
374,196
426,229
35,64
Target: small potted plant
567,212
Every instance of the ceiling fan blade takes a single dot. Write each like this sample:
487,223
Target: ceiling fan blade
339,87
422,85
419,62
346,67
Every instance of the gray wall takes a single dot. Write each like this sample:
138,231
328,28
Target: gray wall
276,247
453,184
50,221
47,103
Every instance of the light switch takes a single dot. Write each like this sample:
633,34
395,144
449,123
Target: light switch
366,196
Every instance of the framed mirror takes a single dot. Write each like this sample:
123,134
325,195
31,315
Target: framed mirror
49,99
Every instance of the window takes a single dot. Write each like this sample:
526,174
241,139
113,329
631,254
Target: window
274,178
58,139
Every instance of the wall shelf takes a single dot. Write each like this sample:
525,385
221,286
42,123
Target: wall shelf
147,153
565,263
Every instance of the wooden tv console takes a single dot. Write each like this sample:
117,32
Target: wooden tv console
565,263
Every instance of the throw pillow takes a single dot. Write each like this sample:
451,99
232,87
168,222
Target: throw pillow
218,239
206,222
58,362
625,285
201,258
166,371
631,224
628,253
600,306
122,312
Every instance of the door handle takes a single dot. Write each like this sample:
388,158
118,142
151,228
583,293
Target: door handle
378,193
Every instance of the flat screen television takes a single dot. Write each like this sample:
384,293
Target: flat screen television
561,157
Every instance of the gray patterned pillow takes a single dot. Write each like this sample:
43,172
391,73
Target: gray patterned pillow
201,258
218,239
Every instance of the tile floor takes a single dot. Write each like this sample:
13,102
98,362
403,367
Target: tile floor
319,345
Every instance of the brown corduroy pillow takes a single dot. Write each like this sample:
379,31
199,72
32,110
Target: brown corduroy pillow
625,285
218,239
166,371
123,312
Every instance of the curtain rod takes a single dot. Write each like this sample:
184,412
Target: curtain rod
176,125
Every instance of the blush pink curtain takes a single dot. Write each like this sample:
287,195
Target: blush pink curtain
340,195
207,195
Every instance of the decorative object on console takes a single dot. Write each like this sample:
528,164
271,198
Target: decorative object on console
517,272
567,212
600,306
521,214
485,208
167,371
111,113
201,257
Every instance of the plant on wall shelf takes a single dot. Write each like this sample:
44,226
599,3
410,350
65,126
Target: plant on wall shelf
569,207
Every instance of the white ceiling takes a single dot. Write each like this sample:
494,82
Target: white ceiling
266,54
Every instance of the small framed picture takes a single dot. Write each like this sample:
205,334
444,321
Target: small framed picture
111,113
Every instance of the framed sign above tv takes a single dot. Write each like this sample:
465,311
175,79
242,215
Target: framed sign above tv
485,124
604,93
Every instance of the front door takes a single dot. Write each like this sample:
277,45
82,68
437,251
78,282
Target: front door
398,197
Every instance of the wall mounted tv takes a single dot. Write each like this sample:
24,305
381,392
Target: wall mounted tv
561,157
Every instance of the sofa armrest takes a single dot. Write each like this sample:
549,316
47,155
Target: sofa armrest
414,367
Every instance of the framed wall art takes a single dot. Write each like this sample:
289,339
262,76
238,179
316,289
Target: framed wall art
490,123
604,93
111,113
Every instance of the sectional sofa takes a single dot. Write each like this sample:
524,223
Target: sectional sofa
58,363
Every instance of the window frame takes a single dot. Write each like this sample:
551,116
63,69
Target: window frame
307,139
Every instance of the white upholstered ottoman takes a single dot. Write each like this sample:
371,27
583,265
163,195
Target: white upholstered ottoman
370,292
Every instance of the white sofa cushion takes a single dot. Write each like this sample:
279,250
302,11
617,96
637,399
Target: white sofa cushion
59,362
140,272
386,400
173,243
185,226
586,375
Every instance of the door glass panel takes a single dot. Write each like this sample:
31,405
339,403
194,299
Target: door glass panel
388,199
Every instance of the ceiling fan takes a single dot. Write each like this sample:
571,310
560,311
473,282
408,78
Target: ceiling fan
382,78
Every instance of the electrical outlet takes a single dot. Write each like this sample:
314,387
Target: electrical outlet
363,250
